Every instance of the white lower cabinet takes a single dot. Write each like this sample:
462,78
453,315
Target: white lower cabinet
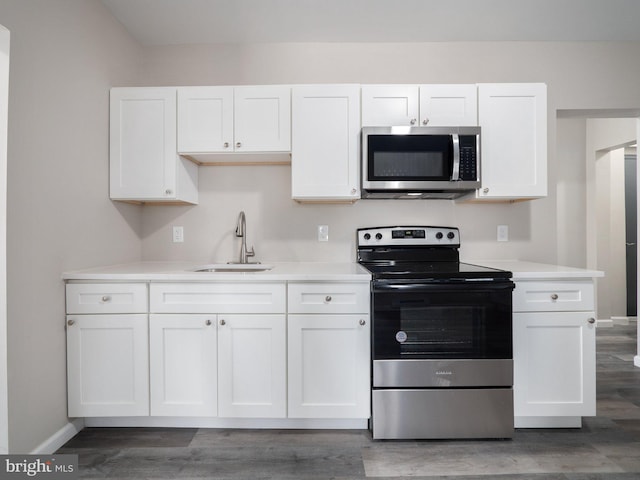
183,365
554,353
329,366
107,365
252,376
554,364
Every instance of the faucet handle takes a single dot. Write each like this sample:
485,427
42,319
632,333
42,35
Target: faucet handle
250,252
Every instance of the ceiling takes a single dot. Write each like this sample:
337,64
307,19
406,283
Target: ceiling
174,22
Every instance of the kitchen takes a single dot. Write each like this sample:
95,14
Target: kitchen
57,135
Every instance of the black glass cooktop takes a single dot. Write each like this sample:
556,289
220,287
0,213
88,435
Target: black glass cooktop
433,270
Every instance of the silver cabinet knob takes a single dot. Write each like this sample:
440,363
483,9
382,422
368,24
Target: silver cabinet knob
223,322
168,191
327,298
362,322
554,296
207,323
106,298
71,322
225,144
238,145
353,191
425,121
591,320
413,121
485,190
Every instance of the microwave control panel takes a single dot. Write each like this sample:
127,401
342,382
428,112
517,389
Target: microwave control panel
468,157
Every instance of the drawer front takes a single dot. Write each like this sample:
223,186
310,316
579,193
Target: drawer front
217,298
329,297
106,298
554,296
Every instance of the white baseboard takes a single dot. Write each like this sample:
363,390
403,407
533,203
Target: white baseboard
216,422
58,439
604,323
636,360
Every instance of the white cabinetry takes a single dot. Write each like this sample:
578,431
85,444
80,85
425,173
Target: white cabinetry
183,365
325,144
144,164
233,119
553,352
424,105
329,350
513,119
252,373
250,345
107,351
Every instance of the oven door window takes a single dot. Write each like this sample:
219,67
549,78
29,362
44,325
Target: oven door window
410,158
466,322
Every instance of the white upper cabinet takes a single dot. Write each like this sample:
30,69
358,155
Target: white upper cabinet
424,105
325,149
213,120
513,119
144,164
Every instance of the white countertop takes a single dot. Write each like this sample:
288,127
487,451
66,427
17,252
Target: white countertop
523,270
183,271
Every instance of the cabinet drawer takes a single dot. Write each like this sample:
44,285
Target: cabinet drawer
553,296
217,298
106,298
328,298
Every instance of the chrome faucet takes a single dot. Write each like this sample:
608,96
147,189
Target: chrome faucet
241,231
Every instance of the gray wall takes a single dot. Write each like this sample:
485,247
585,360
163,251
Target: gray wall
578,75
65,54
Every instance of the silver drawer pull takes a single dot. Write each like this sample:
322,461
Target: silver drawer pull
71,322
223,322
106,298
208,322
327,298
591,320
362,322
554,296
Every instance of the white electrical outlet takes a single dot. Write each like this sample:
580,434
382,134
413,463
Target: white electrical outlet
323,233
503,233
178,234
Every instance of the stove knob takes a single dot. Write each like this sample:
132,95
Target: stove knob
439,235
378,236
451,235
367,236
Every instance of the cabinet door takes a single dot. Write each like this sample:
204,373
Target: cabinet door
554,364
329,366
184,371
325,143
449,105
143,159
262,121
107,365
252,380
205,119
513,119
389,105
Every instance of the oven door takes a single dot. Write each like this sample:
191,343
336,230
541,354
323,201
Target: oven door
442,335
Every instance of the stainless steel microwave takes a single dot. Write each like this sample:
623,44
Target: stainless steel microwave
420,162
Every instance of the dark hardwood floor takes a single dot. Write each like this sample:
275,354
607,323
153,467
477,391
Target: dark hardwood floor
606,448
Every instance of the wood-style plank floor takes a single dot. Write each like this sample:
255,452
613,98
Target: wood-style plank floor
606,448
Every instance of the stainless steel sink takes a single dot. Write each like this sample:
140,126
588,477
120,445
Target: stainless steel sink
234,267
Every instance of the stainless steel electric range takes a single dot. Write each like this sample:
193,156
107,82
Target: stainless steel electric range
441,337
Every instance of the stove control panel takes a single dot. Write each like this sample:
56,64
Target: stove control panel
429,236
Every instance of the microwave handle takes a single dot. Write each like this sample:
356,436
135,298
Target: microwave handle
455,175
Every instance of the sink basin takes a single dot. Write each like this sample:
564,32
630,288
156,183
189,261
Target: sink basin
234,267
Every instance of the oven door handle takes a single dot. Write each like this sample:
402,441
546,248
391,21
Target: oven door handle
449,286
